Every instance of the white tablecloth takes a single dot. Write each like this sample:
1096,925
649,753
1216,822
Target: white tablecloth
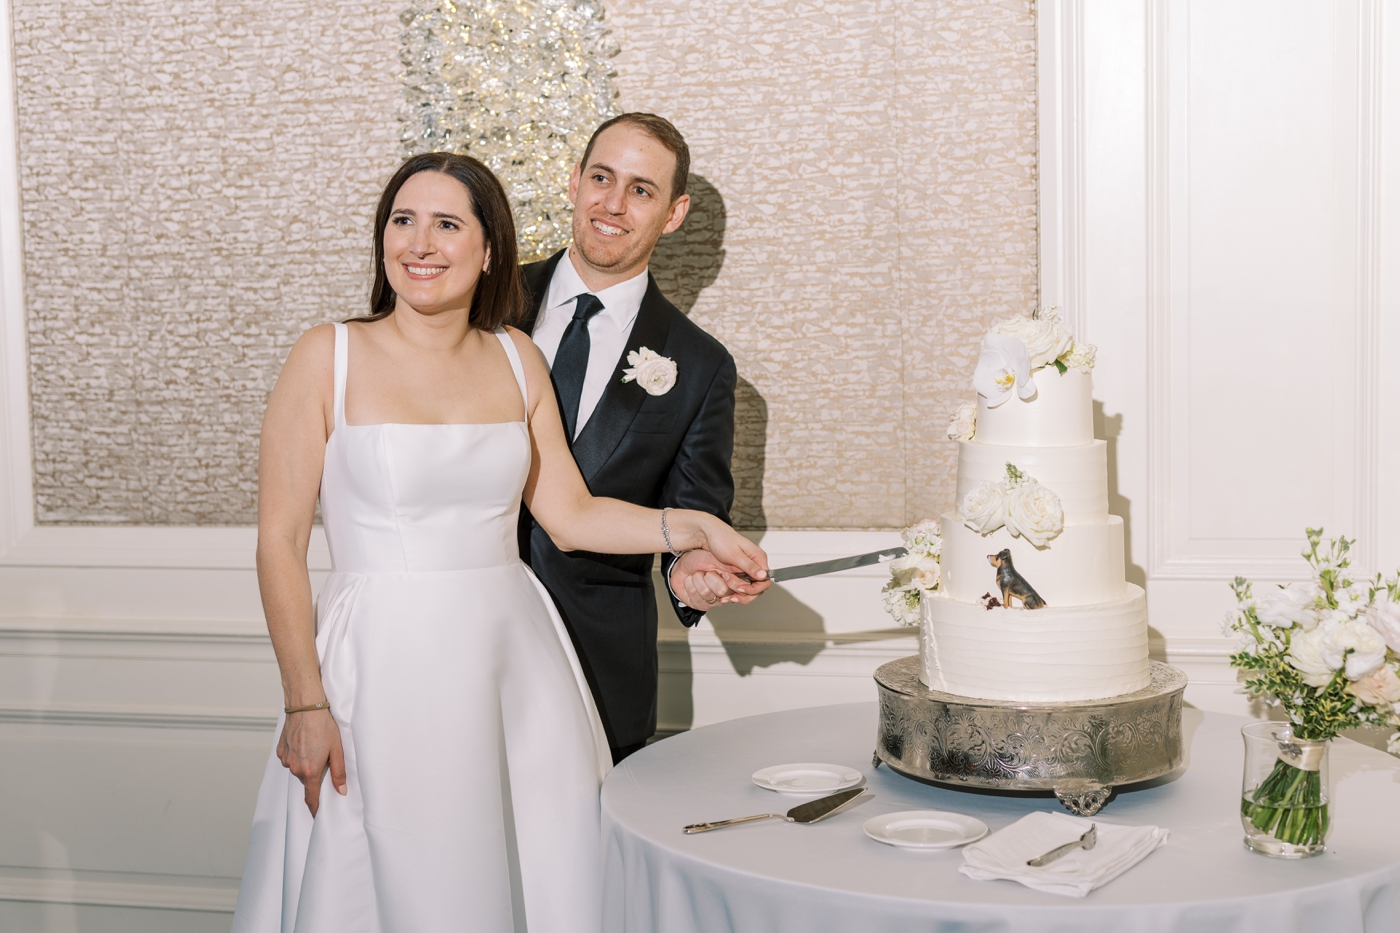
829,877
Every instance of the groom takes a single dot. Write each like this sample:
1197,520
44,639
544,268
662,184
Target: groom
590,308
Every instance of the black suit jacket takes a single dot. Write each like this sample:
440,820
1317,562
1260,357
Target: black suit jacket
664,450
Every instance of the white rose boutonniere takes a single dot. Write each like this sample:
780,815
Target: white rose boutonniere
1034,512
652,371
1004,365
963,425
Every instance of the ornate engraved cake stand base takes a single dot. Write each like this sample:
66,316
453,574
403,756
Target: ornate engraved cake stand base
1079,750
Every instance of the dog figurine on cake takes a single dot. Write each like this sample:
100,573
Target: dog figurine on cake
1012,584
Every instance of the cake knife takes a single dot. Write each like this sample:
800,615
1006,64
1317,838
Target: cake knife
831,566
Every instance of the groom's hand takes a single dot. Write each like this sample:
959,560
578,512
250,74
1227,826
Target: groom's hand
702,582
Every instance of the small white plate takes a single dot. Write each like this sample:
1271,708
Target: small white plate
809,779
925,829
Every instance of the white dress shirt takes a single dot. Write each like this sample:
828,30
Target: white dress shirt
608,330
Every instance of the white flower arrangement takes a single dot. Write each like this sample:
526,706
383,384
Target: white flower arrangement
1045,342
1022,505
653,372
1327,651
962,426
914,575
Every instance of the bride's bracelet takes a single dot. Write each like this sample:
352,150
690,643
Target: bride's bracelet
324,704
666,534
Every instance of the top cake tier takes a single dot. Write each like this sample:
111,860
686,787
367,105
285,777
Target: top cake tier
1060,414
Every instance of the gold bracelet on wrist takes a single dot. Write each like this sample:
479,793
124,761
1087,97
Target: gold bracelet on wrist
324,704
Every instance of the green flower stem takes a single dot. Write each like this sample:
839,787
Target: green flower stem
1288,806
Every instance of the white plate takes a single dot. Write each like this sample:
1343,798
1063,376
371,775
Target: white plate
925,829
809,779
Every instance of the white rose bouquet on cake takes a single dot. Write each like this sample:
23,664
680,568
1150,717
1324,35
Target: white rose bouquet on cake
915,574
1019,503
1047,341
1327,652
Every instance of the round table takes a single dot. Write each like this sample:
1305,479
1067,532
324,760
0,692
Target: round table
778,877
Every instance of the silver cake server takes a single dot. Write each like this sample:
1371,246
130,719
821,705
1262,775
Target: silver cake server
1085,842
810,812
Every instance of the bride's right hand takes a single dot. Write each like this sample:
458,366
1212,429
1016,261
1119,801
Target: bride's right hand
730,547
310,742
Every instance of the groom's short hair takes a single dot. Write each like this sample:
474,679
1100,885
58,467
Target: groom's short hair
659,129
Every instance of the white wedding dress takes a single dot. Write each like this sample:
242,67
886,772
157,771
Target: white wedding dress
473,749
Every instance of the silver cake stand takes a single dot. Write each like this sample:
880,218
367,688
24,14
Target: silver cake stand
1079,750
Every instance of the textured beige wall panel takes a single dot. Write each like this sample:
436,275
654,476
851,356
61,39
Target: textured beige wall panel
198,181
875,162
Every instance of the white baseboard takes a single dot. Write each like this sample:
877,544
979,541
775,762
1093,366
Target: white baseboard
118,889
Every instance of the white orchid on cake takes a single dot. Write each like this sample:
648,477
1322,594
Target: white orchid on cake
1018,346
1018,503
1327,651
914,575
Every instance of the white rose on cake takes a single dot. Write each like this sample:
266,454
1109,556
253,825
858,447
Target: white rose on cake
1081,357
983,509
914,569
1034,512
963,425
652,371
1003,366
1043,336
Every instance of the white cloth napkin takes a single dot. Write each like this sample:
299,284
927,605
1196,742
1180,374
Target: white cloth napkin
1004,853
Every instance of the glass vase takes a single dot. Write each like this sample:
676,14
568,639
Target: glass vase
1284,802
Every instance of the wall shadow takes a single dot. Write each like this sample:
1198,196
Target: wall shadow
687,261
684,264
1108,428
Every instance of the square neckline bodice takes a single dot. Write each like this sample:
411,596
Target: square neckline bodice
342,368
423,498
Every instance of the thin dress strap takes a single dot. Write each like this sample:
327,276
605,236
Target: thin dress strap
515,366
342,363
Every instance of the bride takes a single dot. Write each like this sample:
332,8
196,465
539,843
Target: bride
440,756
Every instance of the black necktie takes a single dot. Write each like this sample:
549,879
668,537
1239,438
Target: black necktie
571,361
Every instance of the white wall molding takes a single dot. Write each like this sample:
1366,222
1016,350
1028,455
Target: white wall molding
116,889
1060,80
1369,95
1173,552
135,718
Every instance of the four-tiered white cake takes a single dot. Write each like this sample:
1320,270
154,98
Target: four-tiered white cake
1033,480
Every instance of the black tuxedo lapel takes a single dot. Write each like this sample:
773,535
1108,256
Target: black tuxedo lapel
620,401
536,278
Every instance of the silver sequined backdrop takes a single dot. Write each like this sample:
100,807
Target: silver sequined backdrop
198,181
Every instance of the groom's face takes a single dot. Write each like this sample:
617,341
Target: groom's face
622,200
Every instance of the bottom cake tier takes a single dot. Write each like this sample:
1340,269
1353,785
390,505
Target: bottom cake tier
1035,655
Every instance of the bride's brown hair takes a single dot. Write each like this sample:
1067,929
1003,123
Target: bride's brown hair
499,297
